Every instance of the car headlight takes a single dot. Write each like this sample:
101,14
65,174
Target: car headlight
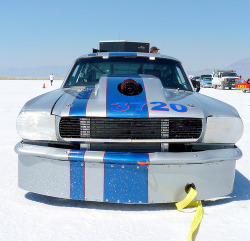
36,126
223,130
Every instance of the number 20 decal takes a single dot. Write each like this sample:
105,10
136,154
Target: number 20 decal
160,106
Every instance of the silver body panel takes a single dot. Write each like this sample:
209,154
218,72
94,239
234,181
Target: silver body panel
126,177
47,171
44,176
44,102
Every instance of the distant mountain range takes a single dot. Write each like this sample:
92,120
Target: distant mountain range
242,67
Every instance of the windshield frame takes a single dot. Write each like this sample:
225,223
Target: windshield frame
137,59
229,74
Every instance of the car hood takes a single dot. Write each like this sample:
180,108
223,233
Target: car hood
105,100
45,102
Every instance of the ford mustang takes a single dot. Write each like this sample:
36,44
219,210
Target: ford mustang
127,127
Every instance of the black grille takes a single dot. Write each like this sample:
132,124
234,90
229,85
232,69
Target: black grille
230,82
123,128
126,147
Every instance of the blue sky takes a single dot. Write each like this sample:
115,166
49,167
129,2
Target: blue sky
201,33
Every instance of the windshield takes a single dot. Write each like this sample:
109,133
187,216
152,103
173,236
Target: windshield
88,71
206,76
229,74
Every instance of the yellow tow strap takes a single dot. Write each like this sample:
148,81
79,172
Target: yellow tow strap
188,202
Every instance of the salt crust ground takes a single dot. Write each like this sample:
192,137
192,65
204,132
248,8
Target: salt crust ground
25,216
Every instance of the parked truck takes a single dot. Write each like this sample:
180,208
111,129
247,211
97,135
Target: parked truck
224,79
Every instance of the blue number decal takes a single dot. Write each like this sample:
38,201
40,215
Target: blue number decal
160,106
121,106
139,105
182,108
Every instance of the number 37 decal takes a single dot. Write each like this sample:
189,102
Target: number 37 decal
155,106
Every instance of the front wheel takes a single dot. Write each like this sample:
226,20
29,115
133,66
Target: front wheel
244,91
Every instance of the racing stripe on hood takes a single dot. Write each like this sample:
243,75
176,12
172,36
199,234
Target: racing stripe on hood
123,106
79,104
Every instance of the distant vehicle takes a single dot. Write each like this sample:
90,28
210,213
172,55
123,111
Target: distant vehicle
205,75
206,81
197,78
224,79
195,82
242,84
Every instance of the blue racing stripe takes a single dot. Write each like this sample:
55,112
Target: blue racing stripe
125,181
123,106
80,103
77,175
122,54
125,157
94,54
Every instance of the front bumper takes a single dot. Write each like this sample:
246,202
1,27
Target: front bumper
229,84
125,177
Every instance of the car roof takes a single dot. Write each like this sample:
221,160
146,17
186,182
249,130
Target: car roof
127,54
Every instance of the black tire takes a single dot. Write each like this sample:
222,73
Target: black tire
244,91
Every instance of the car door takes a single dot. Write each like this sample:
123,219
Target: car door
215,80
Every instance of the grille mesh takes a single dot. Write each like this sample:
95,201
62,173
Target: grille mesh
125,128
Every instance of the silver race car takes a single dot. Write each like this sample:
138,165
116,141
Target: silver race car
127,127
